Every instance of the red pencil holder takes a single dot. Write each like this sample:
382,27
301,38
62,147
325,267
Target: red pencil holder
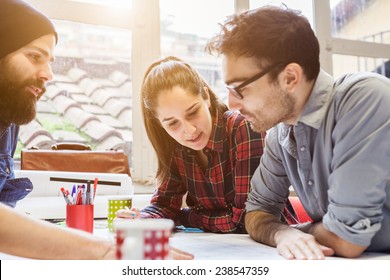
80,217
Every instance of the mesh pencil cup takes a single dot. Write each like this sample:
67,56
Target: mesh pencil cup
116,203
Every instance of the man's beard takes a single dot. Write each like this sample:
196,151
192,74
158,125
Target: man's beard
17,104
283,105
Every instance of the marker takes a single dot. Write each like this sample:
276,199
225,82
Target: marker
94,187
69,197
83,195
65,196
91,196
78,196
88,193
74,194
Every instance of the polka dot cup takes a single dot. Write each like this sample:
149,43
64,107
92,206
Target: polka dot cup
116,203
143,239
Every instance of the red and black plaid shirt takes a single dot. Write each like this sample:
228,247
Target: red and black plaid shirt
215,196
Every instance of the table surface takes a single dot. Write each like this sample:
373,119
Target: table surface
215,246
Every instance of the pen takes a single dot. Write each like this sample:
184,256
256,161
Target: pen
88,193
92,195
69,197
65,196
94,187
78,196
73,190
83,195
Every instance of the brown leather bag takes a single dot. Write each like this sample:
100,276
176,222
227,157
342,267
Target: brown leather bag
75,157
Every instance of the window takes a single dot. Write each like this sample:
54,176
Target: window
185,32
350,20
306,7
351,63
89,100
106,45
353,35
366,21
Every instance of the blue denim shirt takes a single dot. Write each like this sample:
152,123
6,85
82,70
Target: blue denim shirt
11,189
337,158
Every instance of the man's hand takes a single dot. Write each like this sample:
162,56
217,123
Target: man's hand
293,244
290,242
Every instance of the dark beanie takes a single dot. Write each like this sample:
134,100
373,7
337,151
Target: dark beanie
20,24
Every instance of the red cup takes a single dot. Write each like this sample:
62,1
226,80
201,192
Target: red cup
80,217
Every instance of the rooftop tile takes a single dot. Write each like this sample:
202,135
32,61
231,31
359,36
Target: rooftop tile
76,74
31,131
115,143
114,107
67,136
89,86
45,107
126,117
119,78
63,103
53,91
70,88
78,99
111,121
40,141
78,117
99,131
93,109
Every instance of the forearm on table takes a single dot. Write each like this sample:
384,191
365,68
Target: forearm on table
65,243
262,227
30,238
327,238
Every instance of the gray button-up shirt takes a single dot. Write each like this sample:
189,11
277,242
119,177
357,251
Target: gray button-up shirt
337,158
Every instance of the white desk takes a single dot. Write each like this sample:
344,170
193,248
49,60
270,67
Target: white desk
213,246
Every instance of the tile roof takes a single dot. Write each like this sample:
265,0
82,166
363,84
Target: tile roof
80,106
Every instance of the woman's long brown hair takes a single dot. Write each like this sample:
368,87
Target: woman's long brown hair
166,74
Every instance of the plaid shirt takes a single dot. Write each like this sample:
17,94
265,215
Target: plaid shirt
216,196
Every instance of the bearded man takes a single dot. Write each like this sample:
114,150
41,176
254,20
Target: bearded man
27,43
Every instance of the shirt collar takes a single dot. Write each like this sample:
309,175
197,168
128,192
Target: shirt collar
318,102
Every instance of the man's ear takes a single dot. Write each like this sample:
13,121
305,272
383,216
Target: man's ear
293,76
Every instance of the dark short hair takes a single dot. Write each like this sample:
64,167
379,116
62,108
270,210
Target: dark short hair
271,35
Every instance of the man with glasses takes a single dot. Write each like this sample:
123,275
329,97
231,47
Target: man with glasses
328,139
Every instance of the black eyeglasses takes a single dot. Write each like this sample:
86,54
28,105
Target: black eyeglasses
236,90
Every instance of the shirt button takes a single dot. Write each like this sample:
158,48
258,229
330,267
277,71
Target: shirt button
7,170
310,183
303,148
